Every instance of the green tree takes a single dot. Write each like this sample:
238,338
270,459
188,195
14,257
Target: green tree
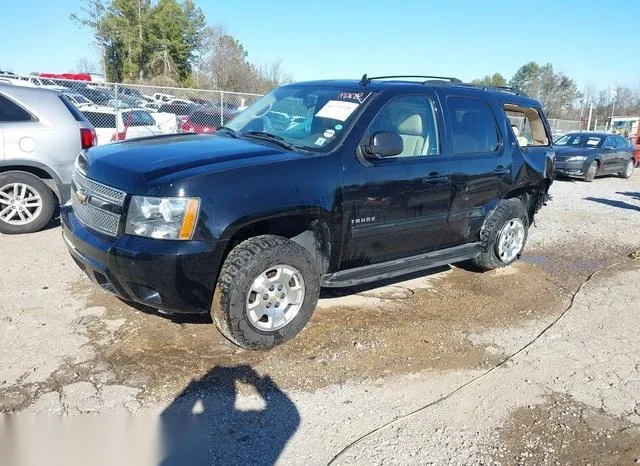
556,92
92,16
494,80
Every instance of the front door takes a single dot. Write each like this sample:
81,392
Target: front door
398,206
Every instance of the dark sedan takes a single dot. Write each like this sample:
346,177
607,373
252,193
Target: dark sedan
587,155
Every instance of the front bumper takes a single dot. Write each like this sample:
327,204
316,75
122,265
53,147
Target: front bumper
174,276
575,169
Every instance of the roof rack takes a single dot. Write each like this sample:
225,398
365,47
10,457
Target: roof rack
366,79
506,89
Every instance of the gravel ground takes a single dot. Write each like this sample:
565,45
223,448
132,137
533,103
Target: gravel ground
369,355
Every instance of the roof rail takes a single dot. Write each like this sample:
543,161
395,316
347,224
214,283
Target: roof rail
507,89
366,79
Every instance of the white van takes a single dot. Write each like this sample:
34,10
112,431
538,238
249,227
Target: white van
117,125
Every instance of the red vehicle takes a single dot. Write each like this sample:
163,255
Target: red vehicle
636,151
202,122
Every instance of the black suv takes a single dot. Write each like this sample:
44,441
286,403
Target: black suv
325,183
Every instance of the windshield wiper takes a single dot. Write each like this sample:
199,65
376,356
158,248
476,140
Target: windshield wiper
229,131
273,138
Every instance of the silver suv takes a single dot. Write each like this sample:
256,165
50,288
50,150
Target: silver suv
41,134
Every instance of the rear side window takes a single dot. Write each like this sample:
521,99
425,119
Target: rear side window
529,130
101,120
473,126
621,142
74,111
12,112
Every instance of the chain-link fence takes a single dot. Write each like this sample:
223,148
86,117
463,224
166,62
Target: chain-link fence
126,111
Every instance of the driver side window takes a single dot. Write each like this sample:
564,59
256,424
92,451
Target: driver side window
413,118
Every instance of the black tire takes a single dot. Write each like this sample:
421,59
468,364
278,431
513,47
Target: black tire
47,197
242,266
627,173
591,172
506,210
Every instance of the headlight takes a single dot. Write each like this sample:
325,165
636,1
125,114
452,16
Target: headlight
165,218
576,158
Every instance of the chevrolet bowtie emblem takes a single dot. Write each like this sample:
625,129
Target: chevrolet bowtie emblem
82,196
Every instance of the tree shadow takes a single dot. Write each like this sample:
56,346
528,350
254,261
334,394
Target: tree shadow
614,203
203,425
632,195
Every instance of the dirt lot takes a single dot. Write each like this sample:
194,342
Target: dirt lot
368,356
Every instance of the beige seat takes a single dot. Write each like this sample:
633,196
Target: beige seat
410,130
522,141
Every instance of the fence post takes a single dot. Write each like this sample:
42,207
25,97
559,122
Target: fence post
221,108
115,92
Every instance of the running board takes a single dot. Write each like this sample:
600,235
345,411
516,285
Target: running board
394,268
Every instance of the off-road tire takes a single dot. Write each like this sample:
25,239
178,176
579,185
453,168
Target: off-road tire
243,264
506,210
49,202
590,174
626,174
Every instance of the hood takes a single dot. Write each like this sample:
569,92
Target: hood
131,164
566,151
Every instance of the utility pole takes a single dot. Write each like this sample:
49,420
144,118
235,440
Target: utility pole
614,94
590,114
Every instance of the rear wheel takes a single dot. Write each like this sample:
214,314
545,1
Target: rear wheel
628,169
591,172
267,290
26,203
503,235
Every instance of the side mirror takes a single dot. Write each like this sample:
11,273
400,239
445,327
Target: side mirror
384,144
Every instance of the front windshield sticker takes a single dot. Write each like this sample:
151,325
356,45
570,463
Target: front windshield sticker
338,127
320,141
337,110
593,141
329,133
359,96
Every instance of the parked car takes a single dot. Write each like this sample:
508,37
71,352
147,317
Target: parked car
586,155
41,134
131,92
160,97
636,151
117,125
208,121
99,97
43,82
78,99
377,179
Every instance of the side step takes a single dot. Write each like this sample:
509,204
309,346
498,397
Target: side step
394,268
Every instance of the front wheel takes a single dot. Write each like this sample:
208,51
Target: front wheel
590,175
503,235
266,292
628,169
26,203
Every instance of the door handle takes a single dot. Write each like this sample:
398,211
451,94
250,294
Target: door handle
434,177
500,170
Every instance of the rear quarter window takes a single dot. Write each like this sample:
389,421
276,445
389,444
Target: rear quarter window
77,114
11,112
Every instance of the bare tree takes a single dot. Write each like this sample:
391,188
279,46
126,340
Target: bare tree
92,16
84,65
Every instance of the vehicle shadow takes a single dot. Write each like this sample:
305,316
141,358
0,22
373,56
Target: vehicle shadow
203,425
351,290
178,317
614,203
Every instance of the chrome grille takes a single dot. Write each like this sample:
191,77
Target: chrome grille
95,218
90,201
99,190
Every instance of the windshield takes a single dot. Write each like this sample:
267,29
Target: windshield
579,140
310,118
623,124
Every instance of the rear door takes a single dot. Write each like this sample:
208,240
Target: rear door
480,158
609,155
